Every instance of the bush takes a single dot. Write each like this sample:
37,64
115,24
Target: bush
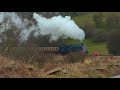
10,37
113,22
100,36
28,54
98,20
89,29
74,57
113,42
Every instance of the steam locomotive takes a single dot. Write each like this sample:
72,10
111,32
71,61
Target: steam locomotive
80,48
66,48
61,49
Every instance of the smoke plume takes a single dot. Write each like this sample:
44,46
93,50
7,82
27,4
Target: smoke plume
56,26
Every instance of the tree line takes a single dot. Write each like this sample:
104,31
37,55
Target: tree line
105,29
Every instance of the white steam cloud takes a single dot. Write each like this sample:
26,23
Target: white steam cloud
56,26
59,26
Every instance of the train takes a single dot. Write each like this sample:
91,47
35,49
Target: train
65,48
60,49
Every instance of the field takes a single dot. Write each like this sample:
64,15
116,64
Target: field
100,47
93,67
83,19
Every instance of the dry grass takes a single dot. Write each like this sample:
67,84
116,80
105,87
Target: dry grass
17,69
93,67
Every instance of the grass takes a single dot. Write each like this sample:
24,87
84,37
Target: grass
93,67
100,47
37,62
83,19
88,18
17,69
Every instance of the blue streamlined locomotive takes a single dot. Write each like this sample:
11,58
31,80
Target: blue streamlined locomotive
65,48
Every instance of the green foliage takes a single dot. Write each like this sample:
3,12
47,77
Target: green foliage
113,42
113,22
89,30
92,46
99,36
100,47
98,20
83,19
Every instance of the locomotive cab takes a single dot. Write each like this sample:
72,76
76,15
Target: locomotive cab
76,48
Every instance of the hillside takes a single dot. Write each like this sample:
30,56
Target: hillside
93,67
88,23
16,69
100,47
24,59
88,18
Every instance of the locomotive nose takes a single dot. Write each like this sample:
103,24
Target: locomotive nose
87,51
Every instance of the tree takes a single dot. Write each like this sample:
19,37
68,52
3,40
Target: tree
98,19
113,22
99,36
113,42
89,29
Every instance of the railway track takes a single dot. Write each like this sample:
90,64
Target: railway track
55,49
108,55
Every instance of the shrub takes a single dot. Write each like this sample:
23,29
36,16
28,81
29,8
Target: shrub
100,36
113,42
89,29
98,20
28,54
74,57
113,22
10,37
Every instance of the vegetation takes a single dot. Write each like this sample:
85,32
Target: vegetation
102,35
98,20
74,57
113,42
98,25
93,67
92,46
